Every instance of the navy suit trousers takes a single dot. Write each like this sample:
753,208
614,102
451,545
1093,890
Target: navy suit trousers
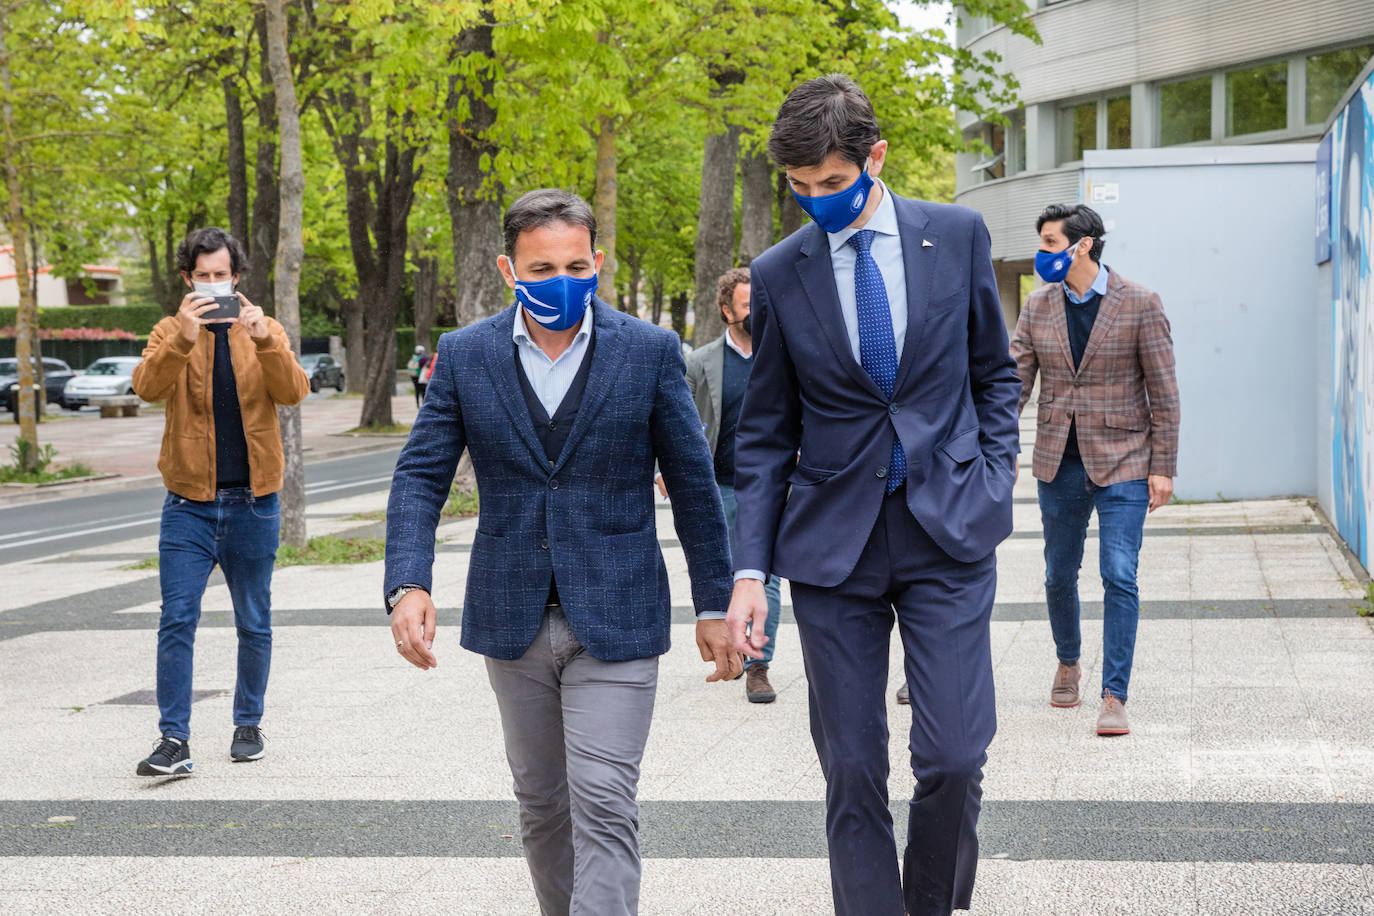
942,608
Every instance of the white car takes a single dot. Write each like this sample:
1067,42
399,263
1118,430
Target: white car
106,377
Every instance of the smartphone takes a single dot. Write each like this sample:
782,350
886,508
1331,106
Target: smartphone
227,307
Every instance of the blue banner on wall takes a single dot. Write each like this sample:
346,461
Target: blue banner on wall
1323,226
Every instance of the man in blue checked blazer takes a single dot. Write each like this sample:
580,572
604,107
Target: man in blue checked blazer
564,405
874,467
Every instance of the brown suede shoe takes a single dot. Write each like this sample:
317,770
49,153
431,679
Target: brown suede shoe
903,696
756,686
1112,719
1064,693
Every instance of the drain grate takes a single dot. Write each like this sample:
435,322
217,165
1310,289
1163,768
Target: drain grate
149,697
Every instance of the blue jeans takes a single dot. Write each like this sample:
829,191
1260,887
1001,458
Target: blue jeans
1066,504
772,589
239,532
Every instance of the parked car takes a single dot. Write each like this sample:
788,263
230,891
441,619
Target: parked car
55,376
324,372
108,376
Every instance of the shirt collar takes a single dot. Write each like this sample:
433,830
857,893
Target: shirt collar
730,342
521,335
1098,288
883,221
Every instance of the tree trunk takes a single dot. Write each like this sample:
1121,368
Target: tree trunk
715,244
604,205
290,252
159,279
678,307
262,243
354,361
26,321
474,214
792,214
426,298
237,162
632,299
756,206
656,288
175,287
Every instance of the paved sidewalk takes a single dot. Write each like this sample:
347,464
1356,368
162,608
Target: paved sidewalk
1246,787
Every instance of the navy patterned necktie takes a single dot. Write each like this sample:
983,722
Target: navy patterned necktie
877,346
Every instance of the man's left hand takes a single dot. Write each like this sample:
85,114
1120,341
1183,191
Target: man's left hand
253,319
713,639
1161,491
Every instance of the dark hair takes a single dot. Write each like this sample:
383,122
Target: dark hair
207,241
826,115
542,208
725,286
1079,221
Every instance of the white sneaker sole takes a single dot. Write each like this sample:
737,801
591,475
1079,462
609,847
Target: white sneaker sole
183,768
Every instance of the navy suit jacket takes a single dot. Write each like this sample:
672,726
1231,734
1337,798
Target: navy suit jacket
588,517
808,518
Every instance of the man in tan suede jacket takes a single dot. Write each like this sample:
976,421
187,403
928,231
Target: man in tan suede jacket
221,461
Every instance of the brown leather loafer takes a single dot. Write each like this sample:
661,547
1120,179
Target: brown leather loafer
1112,719
756,686
1064,693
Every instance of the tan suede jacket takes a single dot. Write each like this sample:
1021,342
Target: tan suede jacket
180,372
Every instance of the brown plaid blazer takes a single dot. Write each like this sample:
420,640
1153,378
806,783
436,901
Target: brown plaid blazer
1124,395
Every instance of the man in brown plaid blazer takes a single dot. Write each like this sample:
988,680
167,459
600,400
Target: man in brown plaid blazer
1106,437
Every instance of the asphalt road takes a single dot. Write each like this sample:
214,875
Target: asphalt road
35,530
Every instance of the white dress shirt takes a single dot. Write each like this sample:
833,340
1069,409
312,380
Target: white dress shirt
551,378
887,254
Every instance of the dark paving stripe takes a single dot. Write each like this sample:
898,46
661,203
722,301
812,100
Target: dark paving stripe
1022,830
1159,531
97,612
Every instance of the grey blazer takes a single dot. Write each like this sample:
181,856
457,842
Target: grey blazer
705,378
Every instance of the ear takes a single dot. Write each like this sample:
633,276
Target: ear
876,157
507,269
600,256
187,277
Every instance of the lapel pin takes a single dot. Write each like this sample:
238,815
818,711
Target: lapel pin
927,243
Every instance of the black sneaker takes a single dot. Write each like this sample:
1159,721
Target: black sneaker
171,757
247,744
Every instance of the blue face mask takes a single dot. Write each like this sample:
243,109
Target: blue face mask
557,303
1053,266
833,212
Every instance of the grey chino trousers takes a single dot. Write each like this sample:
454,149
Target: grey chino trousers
575,729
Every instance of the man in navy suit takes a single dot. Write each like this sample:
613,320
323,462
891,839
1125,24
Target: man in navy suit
875,460
564,406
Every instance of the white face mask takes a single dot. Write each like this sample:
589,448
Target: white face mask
222,288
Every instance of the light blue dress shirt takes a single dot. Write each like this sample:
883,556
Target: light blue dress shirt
887,253
551,378
1099,286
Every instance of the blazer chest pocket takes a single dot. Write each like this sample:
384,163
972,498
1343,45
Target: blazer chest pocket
948,302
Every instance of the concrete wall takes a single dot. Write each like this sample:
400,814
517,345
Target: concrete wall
1224,235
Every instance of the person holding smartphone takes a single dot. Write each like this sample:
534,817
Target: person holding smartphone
222,367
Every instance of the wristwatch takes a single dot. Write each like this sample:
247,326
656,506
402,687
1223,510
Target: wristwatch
395,595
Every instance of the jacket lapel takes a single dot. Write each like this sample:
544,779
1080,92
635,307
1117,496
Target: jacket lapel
715,381
1059,323
500,360
608,357
918,262
818,279
1106,315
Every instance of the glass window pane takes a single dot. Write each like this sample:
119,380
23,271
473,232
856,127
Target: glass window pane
1119,123
1185,111
1329,75
1257,99
1077,130
999,151
1018,126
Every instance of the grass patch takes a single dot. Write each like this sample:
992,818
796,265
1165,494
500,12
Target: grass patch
1367,610
146,563
30,464
383,429
376,515
461,503
332,551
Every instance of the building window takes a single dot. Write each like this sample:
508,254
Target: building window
1119,123
992,165
1257,99
1185,111
1077,130
1018,142
1329,75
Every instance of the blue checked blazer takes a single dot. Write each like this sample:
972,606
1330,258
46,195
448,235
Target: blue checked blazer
589,518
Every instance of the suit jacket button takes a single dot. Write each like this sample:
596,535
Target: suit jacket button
553,484
880,473
893,409
544,544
